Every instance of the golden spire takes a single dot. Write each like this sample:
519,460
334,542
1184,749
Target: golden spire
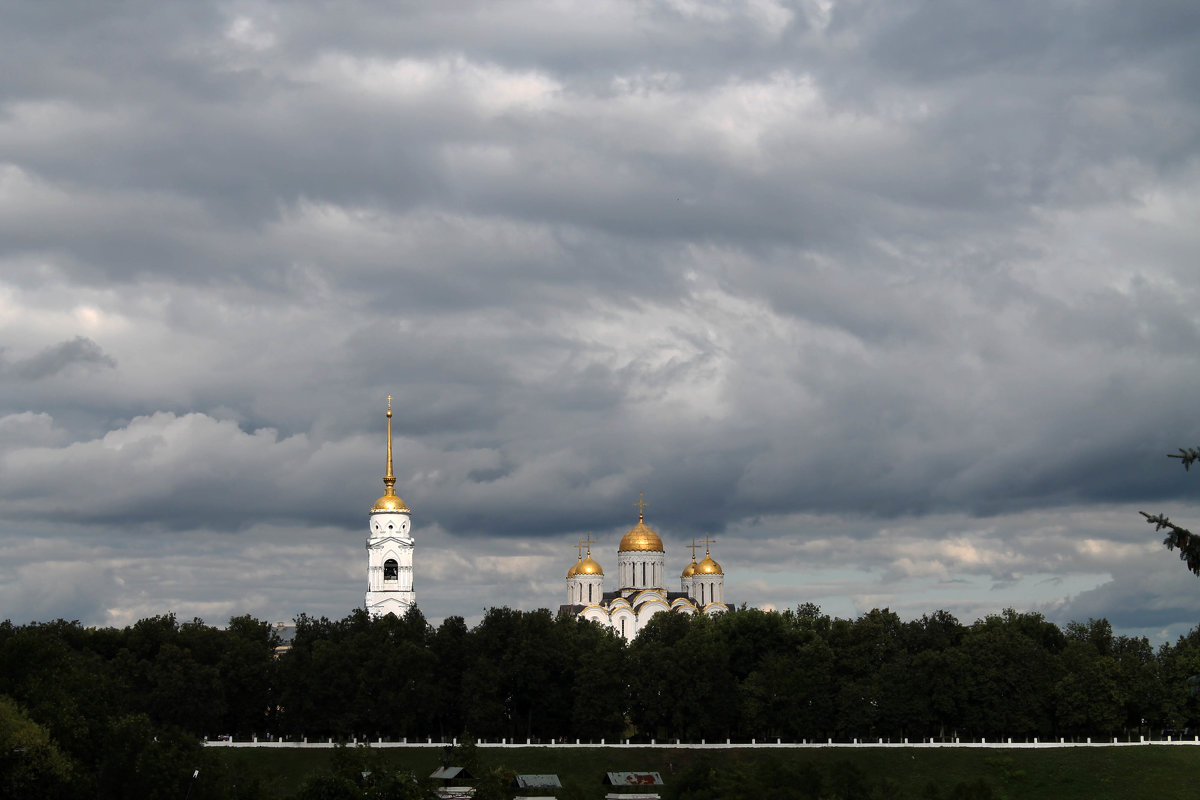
641,507
706,541
389,501
389,480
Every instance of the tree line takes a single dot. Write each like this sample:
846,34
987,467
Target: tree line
105,705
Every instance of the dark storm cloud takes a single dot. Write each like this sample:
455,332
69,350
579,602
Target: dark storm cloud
853,260
80,351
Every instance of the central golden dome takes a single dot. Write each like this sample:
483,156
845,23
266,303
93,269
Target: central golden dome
641,537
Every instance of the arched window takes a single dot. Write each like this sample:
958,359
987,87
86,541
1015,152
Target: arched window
391,570
701,594
589,593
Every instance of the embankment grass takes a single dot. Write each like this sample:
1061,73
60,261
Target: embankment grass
1084,773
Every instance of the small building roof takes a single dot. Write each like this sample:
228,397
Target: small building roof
633,779
452,774
538,781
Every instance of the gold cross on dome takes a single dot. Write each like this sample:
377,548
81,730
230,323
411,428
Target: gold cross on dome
692,547
641,507
706,542
588,542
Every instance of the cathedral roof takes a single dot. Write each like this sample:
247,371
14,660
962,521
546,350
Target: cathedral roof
690,569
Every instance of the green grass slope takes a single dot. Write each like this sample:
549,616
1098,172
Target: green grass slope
1085,773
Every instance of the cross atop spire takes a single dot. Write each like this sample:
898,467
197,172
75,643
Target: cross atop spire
706,541
587,542
641,507
692,547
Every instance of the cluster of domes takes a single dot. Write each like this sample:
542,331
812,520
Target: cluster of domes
641,538
641,590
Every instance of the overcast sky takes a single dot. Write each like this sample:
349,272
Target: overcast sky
899,301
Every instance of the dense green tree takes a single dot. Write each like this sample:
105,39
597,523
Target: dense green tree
450,647
247,669
599,692
660,698
143,760
1013,666
70,691
31,764
937,677
867,651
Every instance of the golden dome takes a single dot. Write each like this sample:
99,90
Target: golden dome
588,566
690,569
640,537
708,566
389,502
574,570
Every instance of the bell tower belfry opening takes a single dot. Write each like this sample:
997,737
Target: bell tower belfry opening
389,547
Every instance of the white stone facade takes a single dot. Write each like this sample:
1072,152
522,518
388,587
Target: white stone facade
638,570
389,564
585,590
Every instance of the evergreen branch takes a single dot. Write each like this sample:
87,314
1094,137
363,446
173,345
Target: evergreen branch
1188,455
1179,538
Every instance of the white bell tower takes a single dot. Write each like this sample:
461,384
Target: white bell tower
389,547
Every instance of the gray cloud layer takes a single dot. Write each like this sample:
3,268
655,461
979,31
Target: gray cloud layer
801,272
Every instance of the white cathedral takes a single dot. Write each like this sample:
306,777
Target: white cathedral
641,582
641,570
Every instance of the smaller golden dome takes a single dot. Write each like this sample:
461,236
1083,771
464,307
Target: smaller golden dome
389,502
588,566
708,566
690,569
574,570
